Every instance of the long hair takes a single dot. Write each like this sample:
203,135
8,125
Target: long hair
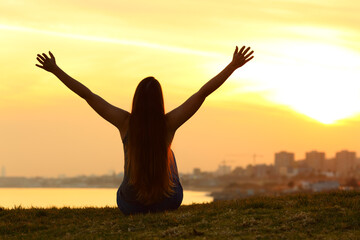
150,159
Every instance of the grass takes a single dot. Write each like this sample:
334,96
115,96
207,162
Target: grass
334,215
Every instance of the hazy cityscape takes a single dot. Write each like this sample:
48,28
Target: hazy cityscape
315,173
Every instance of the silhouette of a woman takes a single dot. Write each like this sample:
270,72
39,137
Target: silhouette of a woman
151,181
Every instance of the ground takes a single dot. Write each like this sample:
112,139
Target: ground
334,215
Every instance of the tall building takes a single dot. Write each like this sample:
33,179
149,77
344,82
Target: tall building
345,161
315,160
284,161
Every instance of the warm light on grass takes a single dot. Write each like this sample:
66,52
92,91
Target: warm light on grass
301,216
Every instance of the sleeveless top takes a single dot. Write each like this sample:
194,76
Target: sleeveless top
127,191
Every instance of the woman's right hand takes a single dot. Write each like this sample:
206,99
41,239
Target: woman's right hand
47,63
241,56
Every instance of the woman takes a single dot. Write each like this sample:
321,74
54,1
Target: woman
151,181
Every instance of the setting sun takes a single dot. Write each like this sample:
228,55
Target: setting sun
315,79
320,81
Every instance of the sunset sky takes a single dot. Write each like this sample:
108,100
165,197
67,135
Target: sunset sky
301,92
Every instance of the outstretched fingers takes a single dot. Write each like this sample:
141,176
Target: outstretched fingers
41,57
51,55
39,66
46,61
249,54
40,60
247,49
45,56
236,50
242,56
246,60
241,50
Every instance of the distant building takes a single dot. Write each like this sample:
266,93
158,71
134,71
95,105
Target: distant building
249,171
300,164
3,171
223,169
315,160
284,162
197,171
345,162
239,171
262,170
301,168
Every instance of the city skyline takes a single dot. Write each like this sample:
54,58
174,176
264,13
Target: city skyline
311,160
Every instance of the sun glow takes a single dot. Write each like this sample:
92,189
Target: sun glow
314,79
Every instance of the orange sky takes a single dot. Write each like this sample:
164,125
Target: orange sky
301,92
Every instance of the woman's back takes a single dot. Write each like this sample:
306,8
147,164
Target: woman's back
127,199
148,150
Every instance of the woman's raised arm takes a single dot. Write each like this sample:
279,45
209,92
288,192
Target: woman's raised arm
112,114
181,114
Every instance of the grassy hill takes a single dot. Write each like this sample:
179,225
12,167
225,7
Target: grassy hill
334,215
